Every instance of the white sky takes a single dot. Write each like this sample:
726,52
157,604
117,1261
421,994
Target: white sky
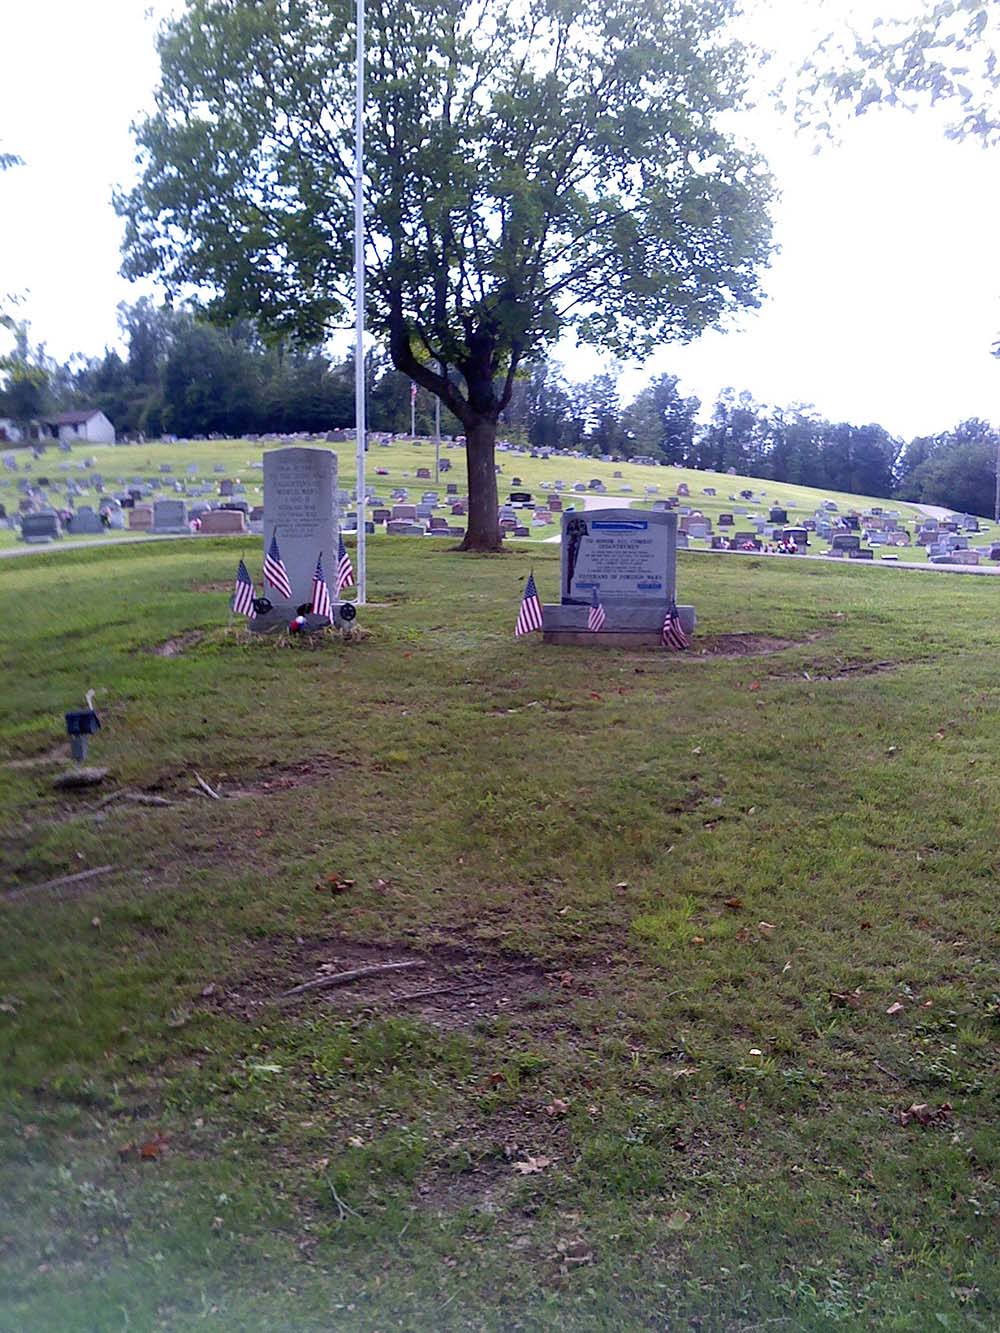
882,305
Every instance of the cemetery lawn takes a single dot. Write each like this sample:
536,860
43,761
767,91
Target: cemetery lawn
696,931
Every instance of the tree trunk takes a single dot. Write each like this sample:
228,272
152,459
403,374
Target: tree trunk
483,531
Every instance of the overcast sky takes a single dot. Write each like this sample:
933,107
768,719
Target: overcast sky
882,304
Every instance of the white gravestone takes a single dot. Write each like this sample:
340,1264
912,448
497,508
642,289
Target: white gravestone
300,508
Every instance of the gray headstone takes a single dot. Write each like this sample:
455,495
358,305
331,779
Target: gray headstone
627,555
170,516
40,528
85,521
300,506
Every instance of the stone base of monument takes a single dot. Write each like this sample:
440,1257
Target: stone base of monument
624,627
277,620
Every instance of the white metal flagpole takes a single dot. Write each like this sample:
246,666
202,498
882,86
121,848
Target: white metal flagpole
359,300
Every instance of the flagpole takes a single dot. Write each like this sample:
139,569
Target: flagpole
359,297
437,433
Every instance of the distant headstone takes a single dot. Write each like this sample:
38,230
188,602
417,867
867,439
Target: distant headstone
85,521
39,528
224,522
170,516
140,517
227,486
845,541
300,507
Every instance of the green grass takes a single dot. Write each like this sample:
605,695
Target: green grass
718,1102
402,458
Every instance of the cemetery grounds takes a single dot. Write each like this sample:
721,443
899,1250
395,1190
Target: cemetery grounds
399,460
704,1031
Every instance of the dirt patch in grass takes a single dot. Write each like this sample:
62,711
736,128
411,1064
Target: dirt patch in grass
58,755
283,777
174,647
742,645
445,985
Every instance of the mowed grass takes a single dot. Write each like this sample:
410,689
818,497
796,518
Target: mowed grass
706,878
400,459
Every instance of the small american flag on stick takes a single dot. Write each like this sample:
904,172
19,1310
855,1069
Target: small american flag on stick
673,635
321,593
275,572
243,595
595,616
529,617
345,573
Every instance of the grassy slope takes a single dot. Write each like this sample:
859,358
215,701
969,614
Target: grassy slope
402,458
590,811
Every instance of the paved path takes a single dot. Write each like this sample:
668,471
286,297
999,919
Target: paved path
26,548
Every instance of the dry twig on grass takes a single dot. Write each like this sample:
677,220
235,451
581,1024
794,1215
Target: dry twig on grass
342,978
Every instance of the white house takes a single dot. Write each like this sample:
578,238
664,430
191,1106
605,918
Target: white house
90,425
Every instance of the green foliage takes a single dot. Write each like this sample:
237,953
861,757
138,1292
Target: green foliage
944,53
528,170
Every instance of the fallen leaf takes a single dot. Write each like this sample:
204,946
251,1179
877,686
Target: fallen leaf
557,1106
743,934
95,921
566,979
895,1008
208,990
622,884
766,929
696,750
678,1221
356,1141
846,998
574,1252
734,904
697,939
594,694
532,1165
926,1115
754,685
153,1148
496,1077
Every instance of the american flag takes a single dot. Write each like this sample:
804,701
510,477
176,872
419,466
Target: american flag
596,616
321,593
275,572
243,594
345,574
529,617
673,635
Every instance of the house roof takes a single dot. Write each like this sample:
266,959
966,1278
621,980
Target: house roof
71,418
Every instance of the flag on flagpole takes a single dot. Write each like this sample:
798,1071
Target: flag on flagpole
275,572
673,635
596,616
413,393
243,594
321,593
345,573
529,617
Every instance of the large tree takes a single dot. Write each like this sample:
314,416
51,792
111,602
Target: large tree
528,167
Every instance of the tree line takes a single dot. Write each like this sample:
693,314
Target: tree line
183,376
